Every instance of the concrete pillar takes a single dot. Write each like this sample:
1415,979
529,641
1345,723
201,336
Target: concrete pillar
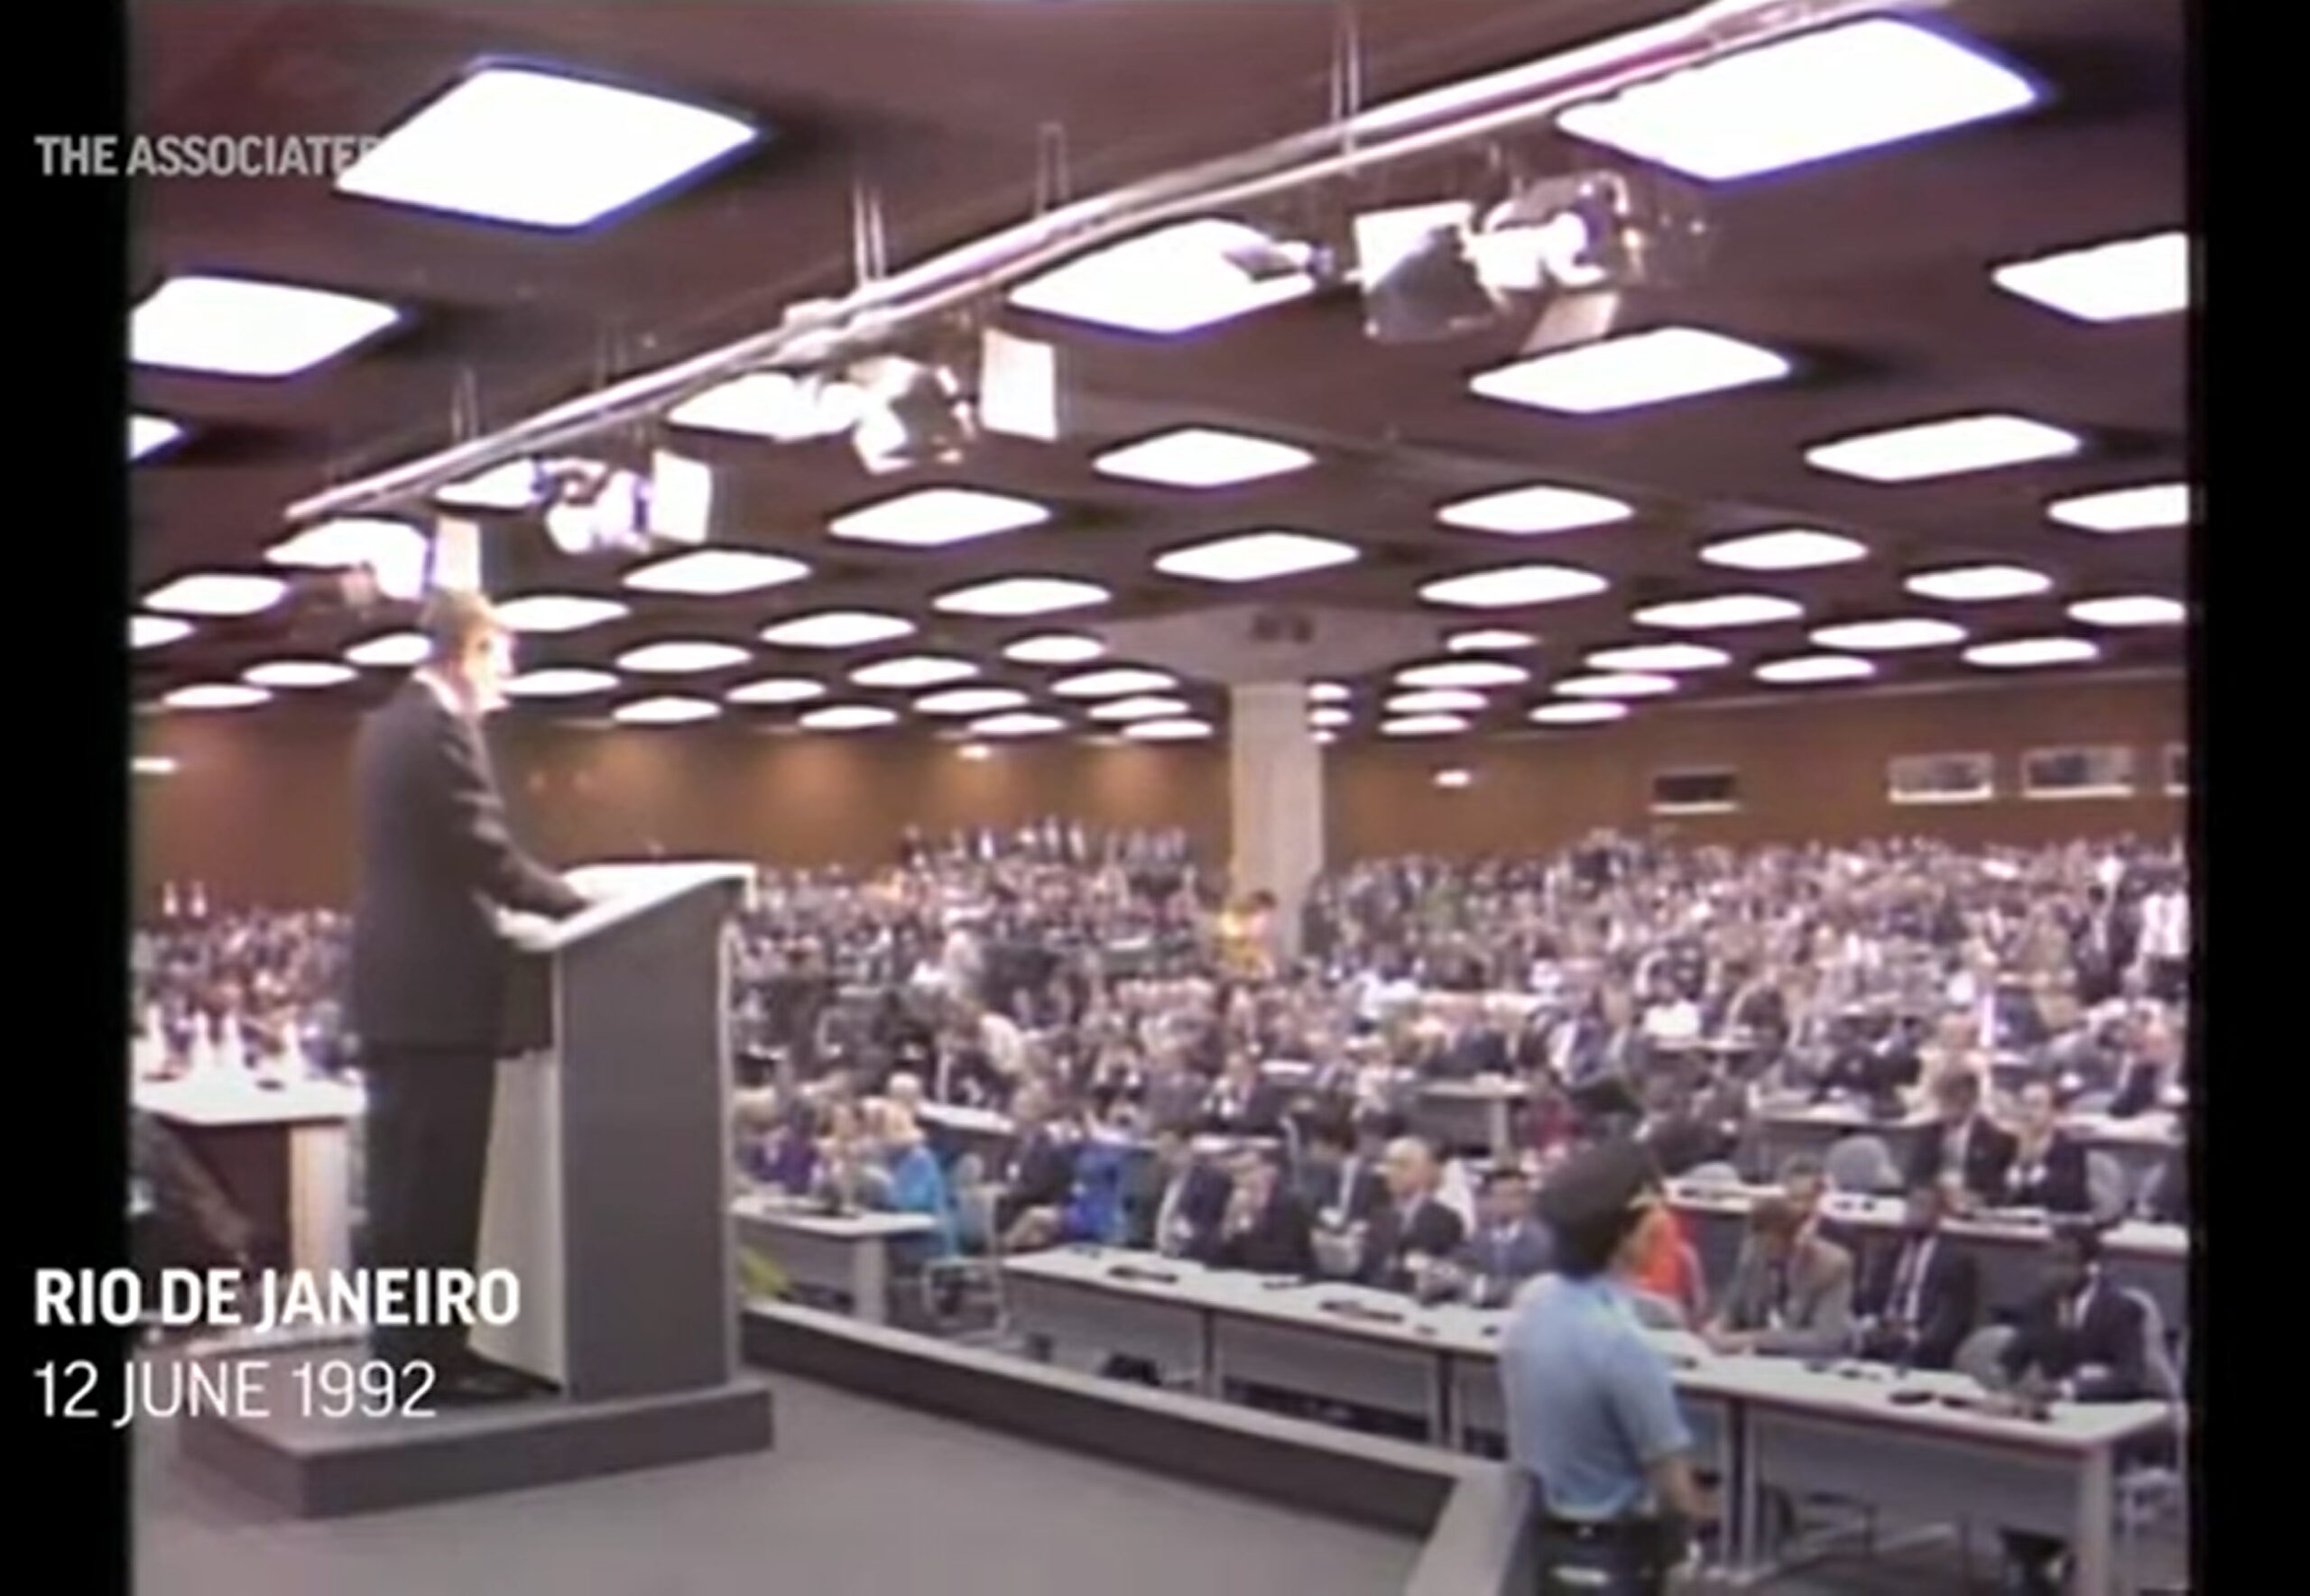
1276,787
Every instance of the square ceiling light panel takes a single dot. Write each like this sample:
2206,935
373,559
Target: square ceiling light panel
394,552
1175,280
1950,447
1053,648
231,327
538,148
148,434
1256,557
838,629
156,631
716,573
392,650
2124,280
1534,512
936,518
513,486
1202,458
222,594
1010,598
1630,372
1514,587
554,614
2152,507
1861,86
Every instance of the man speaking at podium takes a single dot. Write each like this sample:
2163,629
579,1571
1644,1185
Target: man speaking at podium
430,967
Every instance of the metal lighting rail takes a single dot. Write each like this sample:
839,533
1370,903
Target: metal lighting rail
822,333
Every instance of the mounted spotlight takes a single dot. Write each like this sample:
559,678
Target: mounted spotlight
594,508
1420,278
913,414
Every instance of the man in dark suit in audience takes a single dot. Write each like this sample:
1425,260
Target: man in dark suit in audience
434,862
1175,1200
1266,1228
1965,1142
1511,1245
1412,1230
1039,1176
1338,1177
2081,1339
1920,1295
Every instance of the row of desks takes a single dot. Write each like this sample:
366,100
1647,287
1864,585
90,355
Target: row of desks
1763,1424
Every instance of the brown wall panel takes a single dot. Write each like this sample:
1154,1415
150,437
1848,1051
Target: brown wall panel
258,805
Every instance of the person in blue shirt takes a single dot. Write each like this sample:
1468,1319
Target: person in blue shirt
917,1185
1592,1406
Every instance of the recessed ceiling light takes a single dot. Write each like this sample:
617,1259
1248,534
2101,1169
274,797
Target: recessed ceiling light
1464,673
1113,683
1054,648
148,435
1326,739
510,487
1012,597
1490,640
397,552
554,614
1142,707
775,405
229,326
848,718
1193,275
716,573
975,752
837,629
1256,557
218,594
1786,548
1980,584
2022,653
539,150
1534,510
1659,658
2148,508
1890,636
936,518
1018,726
1202,458
971,701
683,658
391,650
1943,448
665,711
1629,370
152,631
1328,693
1423,725
217,695
296,674
1441,701
2133,610
1510,588
566,681
1166,730
152,764
915,670
1803,670
2117,281
776,689
1836,91
1720,612
1627,684
1454,779
1586,711
1328,719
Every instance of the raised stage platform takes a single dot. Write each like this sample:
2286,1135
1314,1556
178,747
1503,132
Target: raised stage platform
318,1468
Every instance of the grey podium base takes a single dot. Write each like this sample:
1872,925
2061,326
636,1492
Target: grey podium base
317,1468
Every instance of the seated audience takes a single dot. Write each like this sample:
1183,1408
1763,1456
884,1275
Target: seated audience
1175,1200
1266,1228
1667,1269
1412,1230
1920,1296
1510,1246
1965,1142
1339,1175
916,1184
2049,1167
1790,1295
1036,1179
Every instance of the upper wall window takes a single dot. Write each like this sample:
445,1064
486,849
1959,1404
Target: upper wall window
1940,779
1695,792
2100,773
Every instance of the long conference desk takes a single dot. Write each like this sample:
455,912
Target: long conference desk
2141,1145
2009,1249
1764,1425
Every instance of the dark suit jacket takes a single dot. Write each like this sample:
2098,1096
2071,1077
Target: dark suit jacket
1989,1154
1434,1230
1260,1113
1496,1265
1280,1242
1203,1204
1356,1199
429,967
2106,1352
1040,1174
2058,1186
1948,1305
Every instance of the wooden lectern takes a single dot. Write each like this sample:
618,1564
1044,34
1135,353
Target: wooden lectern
609,1183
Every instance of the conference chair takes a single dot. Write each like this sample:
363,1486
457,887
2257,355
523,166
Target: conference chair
971,1276
1861,1164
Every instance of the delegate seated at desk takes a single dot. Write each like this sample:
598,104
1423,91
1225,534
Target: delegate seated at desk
1511,1245
1038,1178
1413,1229
2049,1167
2081,1339
1339,1174
1174,1201
1919,1293
1791,1294
1265,1229
1965,1142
